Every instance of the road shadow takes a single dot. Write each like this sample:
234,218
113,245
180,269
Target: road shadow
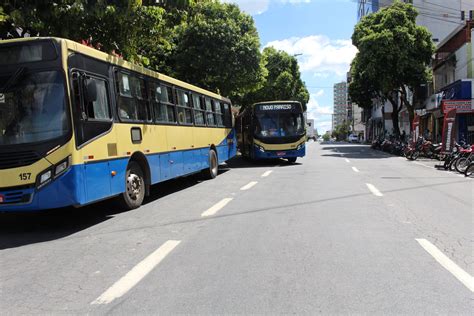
352,151
241,162
19,229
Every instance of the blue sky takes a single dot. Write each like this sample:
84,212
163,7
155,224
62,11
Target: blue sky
318,29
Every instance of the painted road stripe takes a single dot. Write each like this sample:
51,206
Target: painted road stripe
267,173
248,186
347,160
217,207
448,264
373,189
129,280
355,169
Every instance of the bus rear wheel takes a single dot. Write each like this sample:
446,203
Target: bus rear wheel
211,171
292,159
134,193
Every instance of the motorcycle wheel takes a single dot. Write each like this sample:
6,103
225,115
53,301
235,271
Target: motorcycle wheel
462,164
452,164
469,170
415,155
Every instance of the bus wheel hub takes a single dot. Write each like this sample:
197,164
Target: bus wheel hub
134,185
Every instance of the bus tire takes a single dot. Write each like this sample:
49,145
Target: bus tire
211,172
291,159
135,187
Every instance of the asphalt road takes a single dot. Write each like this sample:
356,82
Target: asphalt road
344,230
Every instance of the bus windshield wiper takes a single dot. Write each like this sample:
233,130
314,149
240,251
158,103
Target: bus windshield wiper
13,79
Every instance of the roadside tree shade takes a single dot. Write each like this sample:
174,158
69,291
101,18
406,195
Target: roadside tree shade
391,69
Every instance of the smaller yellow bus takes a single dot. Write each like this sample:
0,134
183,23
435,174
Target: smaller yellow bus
79,126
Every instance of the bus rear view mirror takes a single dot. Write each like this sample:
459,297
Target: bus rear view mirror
90,92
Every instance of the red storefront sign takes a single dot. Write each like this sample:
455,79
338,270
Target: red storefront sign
448,131
461,106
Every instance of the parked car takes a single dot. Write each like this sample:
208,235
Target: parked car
353,138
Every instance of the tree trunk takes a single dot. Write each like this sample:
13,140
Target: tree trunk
410,108
395,121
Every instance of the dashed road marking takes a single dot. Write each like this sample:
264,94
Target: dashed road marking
248,185
129,280
374,190
216,207
448,264
355,169
347,160
267,173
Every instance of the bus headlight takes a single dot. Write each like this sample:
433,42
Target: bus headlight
44,178
53,172
300,146
260,148
62,166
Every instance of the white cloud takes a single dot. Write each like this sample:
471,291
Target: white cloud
321,55
320,114
255,7
314,109
251,6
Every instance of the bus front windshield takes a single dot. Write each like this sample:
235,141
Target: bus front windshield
32,107
279,124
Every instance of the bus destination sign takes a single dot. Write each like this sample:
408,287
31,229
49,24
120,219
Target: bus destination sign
276,107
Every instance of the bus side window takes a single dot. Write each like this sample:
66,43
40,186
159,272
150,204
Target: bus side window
199,110
139,92
209,113
98,109
226,109
125,101
184,107
163,103
218,115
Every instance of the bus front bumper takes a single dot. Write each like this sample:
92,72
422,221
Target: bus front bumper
59,193
260,153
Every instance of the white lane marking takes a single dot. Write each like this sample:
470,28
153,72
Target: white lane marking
422,164
129,280
267,173
448,264
374,190
248,186
218,206
355,169
347,160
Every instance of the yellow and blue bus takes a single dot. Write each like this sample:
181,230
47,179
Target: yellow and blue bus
270,130
78,126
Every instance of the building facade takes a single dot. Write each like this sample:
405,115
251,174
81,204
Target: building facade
340,108
452,68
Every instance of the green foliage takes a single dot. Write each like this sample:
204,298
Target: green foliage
394,53
204,42
326,137
283,81
218,49
112,26
341,132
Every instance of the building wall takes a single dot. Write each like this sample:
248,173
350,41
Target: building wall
340,103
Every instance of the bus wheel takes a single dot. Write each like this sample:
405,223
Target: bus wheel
211,171
292,159
134,187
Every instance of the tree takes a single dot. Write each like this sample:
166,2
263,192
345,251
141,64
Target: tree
341,131
112,26
218,49
283,81
393,58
